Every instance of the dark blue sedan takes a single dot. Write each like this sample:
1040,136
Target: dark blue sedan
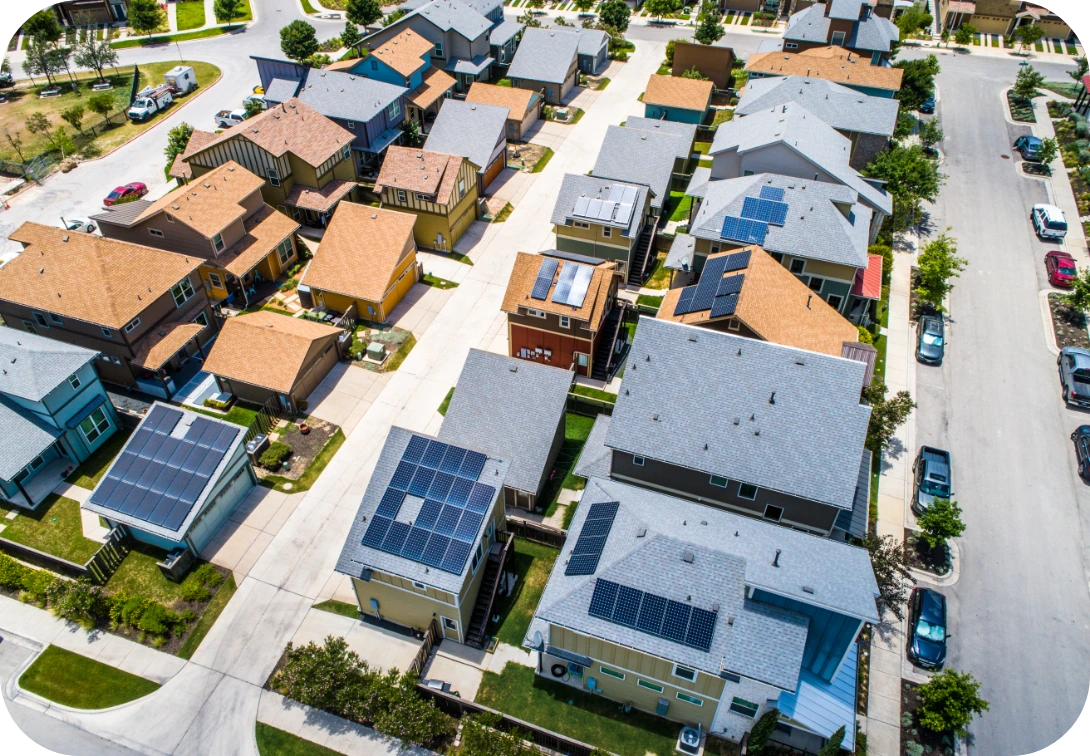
927,628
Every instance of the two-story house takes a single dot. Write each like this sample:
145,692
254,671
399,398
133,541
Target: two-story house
83,12
675,98
523,106
54,413
305,159
144,310
713,62
439,189
428,543
851,24
1000,16
783,444
833,64
562,310
685,137
475,131
503,40
221,218
547,62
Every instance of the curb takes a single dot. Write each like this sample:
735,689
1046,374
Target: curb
943,581
1046,318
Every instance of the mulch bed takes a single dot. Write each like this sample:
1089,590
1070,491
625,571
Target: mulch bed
393,338
304,448
862,676
922,557
1021,111
524,156
1069,328
912,735
1035,169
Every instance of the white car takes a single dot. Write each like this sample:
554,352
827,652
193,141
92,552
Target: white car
1049,222
255,98
84,225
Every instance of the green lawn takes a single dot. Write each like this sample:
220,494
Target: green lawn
437,282
504,214
1067,89
240,413
166,39
307,7
593,393
576,430
678,206
190,15
339,607
306,480
722,115
90,471
544,161
274,742
208,618
399,356
647,300
54,527
532,562
660,274
702,147
138,575
599,721
446,402
244,14
602,84
80,682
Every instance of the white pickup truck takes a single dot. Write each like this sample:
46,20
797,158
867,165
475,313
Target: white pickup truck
148,102
225,119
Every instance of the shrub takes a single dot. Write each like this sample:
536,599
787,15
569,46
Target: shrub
209,575
192,589
1084,157
132,610
274,455
80,601
865,336
35,585
1082,129
11,573
949,701
153,618
215,404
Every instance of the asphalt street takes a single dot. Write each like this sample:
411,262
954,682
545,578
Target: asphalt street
1020,611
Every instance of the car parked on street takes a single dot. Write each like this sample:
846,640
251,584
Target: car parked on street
6,80
927,629
1060,267
930,339
928,105
1081,437
125,193
1028,146
84,225
1074,367
1049,222
931,478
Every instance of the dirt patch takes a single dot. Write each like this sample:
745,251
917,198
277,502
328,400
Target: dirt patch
524,157
304,447
924,558
495,205
1069,327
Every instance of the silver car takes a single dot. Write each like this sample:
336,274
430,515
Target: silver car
1074,366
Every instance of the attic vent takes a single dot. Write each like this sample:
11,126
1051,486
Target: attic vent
374,216
176,207
692,339
639,533
807,589
688,557
772,399
230,169
655,417
207,185
799,362
64,238
776,559
513,368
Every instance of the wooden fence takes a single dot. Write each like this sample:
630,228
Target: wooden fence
588,405
537,532
416,666
98,569
264,420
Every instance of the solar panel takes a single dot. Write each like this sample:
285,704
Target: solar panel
676,621
545,277
436,548
468,527
730,285
415,449
744,230
592,545
583,564
391,503
481,498
395,537
376,531
735,261
652,613
452,460
603,599
459,492
564,283
415,543
581,205
751,208
701,628
779,213
198,430
627,607
226,437
723,306
434,455
455,558
578,288
592,538
448,520
473,464
440,486
684,302
705,293
595,528
772,193
764,210
403,475
428,514
421,481
177,516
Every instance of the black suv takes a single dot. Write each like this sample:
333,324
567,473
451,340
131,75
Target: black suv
927,629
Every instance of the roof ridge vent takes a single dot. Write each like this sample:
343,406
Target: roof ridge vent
807,589
688,557
641,533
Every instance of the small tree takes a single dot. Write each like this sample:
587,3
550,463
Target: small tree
411,129
930,132
1081,67
584,5
965,33
41,60
762,731
660,8
38,123
145,16
298,41
63,142
1026,83
615,13
317,60
1048,151
911,177
1028,34
253,107
709,30
1077,300
535,4
832,748
914,18
394,16
43,27
351,34
937,264
949,701
481,736
941,522
889,560
74,116
16,142
95,54
692,73
228,10
670,47
363,12
906,124
886,415
529,20
101,103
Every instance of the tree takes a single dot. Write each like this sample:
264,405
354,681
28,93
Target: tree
937,264
411,129
60,57
43,27
63,142
949,701
1026,83
918,81
351,34
965,33
1078,299
228,10
38,123
529,20
145,16
584,5
762,731
692,73
910,176
941,522
482,736
317,60
95,54
889,560
363,12
101,103
670,49
177,141
709,30
253,107
16,142
914,18
832,748
297,40
930,132
1081,67
74,116
660,8
41,61
536,4
906,124
394,16
1048,151
886,415
615,13
1028,34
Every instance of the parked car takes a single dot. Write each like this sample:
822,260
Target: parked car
928,105
930,339
225,119
125,193
150,102
6,80
1028,146
260,99
1060,268
1081,437
927,628
1049,222
84,225
1074,366
931,478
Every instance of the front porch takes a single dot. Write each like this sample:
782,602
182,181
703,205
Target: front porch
36,488
313,206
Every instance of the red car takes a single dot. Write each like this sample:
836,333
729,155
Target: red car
125,193
1060,267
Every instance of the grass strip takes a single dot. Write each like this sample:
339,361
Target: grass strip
274,742
208,618
446,402
166,39
437,282
504,214
339,607
532,563
544,161
82,683
593,393
306,480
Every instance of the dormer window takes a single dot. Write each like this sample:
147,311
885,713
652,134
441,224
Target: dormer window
132,325
217,243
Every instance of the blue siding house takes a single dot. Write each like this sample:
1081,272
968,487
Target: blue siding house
54,413
675,98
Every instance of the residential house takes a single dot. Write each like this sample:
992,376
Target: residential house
546,62
714,63
176,481
562,310
475,131
675,98
685,138
428,543
784,444
824,244
84,12
267,355
143,310
507,406
54,413
851,24
790,140
524,106
304,157
503,40
640,156
439,189
1001,17
180,169
593,51
869,122
221,218
705,617
605,220
833,64
365,263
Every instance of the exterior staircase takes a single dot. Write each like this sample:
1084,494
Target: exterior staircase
639,258
486,594
611,329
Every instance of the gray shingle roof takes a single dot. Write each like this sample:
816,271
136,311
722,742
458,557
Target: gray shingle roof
591,41
731,552
854,521
638,157
337,94
575,186
544,55
469,129
355,558
281,90
846,9
455,15
815,228
682,252
595,459
812,25
512,407
838,106
685,133
686,387
23,436
31,366
698,184
470,67
504,31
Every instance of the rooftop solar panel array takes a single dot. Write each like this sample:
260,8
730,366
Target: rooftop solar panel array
772,193
453,511
673,620
544,278
616,209
158,477
744,230
764,210
571,287
714,292
592,539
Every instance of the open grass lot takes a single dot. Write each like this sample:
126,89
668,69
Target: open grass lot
208,617
82,683
599,721
274,742
532,562
660,274
190,15
54,527
576,430
90,471
722,116
24,100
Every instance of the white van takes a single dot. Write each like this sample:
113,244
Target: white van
1049,222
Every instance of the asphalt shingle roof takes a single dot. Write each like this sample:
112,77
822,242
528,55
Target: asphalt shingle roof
687,387
337,94
454,15
544,55
685,133
591,41
638,157
469,129
812,25
575,186
507,406
23,436
838,106
504,31
31,366
596,458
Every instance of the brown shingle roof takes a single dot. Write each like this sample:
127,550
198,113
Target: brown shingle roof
416,170
678,92
360,250
404,53
514,99
830,63
157,347
198,139
265,349
341,65
293,127
264,230
777,306
524,274
432,87
89,278
212,202
320,200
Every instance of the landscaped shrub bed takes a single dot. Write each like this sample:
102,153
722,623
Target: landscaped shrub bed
1068,325
1021,110
922,557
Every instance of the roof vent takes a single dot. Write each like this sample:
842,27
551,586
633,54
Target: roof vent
776,560
705,447
799,361
655,417
808,298
688,557
641,532
739,351
231,169
730,620
772,399
64,238
807,589
736,421
374,216
692,339
513,368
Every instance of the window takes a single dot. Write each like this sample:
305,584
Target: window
461,188
816,283
835,301
29,326
777,256
747,173
565,321
113,359
395,109
419,586
488,531
352,124
182,292
449,624
170,218
581,224
439,51
744,707
346,153
40,320
791,46
477,556
607,232
714,248
730,676
798,266
581,359
649,685
201,319
733,325
55,319
107,333
838,38
773,513
95,425
274,177
374,64
401,195
685,673
215,280
612,672
26,471
156,233
132,325
747,491
638,461
217,243
718,481
74,381
284,250
690,699
423,197
535,313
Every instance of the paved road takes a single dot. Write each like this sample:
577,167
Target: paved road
1020,610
